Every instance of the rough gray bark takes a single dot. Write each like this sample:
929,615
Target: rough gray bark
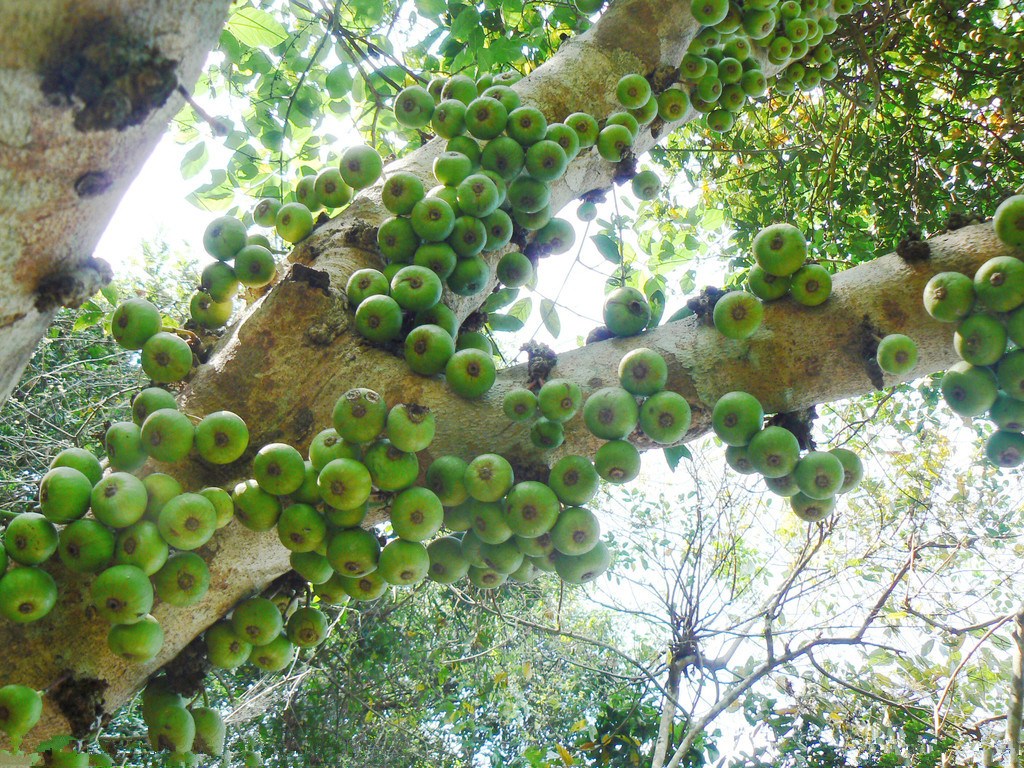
61,182
284,365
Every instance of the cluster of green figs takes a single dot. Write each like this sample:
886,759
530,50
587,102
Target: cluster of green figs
719,72
810,481
493,177
185,729
246,260
780,269
500,158
137,537
610,413
989,312
134,537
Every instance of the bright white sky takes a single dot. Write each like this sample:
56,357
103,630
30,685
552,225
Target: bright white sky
154,208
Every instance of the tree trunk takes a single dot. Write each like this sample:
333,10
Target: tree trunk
65,162
286,362
666,725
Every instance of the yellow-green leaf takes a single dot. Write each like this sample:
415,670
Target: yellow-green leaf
549,314
563,753
256,28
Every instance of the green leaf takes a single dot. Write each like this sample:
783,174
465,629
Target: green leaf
500,299
272,139
688,281
679,314
656,299
522,308
215,196
549,314
230,47
608,248
381,76
664,250
88,319
505,323
713,219
674,453
194,160
339,81
256,28
464,24
109,292
431,8
55,743
369,12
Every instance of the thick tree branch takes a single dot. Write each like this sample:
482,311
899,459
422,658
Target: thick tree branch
285,386
65,162
668,714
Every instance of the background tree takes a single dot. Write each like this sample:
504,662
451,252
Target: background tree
304,377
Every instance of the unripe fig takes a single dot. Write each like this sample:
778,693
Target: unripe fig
736,418
611,413
626,311
897,354
122,594
738,314
580,569
26,595
774,451
1009,221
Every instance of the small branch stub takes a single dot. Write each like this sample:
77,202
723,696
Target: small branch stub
71,288
912,248
114,79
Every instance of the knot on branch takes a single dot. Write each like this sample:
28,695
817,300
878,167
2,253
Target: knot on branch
93,183
332,323
960,220
301,423
520,237
532,471
703,304
201,340
361,235
625,169
601,333
475,321
662,77
800,423
309,250
289,584
185,675
535,251
71,287
913,248
541,359
115,79
314,278
80,700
